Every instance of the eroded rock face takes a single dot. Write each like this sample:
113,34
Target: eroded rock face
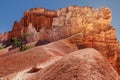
86,64
0,36
39,17
33,35
17,30
81,25
4,36
108,46
118,65
69,21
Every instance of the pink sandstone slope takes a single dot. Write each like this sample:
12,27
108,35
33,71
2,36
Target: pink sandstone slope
34,56
86,64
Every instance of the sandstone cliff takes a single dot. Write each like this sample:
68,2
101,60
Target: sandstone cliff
117,66
69,21
83,26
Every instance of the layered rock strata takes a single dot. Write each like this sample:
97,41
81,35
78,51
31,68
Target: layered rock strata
81,25
86,64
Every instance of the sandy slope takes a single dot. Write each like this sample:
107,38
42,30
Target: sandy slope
23,75
85,64
37,55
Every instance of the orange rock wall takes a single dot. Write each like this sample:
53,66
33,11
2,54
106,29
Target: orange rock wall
83,25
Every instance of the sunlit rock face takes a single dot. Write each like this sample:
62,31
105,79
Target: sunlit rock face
83,26
70,20
4,37
39,17
105,42
33,35
63,22
85,64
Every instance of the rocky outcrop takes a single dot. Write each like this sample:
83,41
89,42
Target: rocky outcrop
34,56
69,21
87,28
17,30
118,64
39,17
83,26
105,42
4,37
0,36
86,64
73,19
33,35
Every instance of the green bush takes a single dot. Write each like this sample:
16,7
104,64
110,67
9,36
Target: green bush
16,42
2,47
21,42
25,48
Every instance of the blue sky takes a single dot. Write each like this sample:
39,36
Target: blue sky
11,10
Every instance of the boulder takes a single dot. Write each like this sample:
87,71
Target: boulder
86,64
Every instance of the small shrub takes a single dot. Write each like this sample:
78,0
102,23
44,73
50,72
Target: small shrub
16,42
2,46
25,48
21,42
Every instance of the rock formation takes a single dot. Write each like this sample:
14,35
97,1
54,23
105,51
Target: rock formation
39,17
33,35
117,65
34,56
69,21
0,36
17,30
86,64
4,37
83,26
